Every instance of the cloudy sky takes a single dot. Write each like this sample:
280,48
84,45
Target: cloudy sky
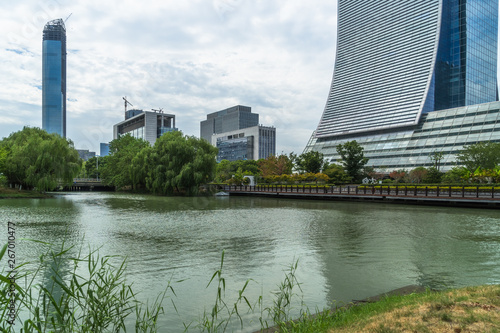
189,57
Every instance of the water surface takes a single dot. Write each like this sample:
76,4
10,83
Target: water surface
345,250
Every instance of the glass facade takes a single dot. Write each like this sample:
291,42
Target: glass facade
446,131
397,60
250,143
412,78
54,78
233,149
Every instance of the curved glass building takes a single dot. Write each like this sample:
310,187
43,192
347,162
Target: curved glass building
399,60
54,77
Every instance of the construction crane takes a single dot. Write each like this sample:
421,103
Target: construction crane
160,110
126,102
67,17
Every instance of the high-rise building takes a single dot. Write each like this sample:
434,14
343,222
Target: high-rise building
230,119
54,77
399,61
238,135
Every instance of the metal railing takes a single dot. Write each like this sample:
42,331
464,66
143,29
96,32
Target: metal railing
486,192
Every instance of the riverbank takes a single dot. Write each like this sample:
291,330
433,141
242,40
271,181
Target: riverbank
470,309
9,193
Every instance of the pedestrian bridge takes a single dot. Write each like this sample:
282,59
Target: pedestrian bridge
87,184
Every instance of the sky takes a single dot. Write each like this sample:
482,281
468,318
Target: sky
189,58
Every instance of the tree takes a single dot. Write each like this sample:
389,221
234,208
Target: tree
353,159
179,163
433,176
94,166
122,151
436,158
456,175
34,158
417,175
398,175
336,173
484,155
226,169
310,162
276,165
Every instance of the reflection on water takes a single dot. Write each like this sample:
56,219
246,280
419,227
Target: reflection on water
345,250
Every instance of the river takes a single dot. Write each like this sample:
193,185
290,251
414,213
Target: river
345,250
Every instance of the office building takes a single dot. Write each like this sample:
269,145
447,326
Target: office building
104,149
231,119
54,77
146,125
251,143
85,154
405,68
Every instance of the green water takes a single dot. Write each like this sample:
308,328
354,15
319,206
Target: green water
345,250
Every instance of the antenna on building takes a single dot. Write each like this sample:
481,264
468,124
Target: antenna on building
160,110
126,102
67,17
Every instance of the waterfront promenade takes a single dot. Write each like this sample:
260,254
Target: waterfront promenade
459,196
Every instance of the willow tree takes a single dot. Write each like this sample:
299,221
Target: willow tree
179,163
34,158
118,169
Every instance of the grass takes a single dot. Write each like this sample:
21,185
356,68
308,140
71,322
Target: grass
9,193
82,293
471,309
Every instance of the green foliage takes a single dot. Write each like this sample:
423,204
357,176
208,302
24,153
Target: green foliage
117,170
417,175
226,169
485,155
277,165
180,163
68,302
456,175
94,166
436,158
433,176
310,162
398,175
221,314
282,302
34,158
336,174
353,159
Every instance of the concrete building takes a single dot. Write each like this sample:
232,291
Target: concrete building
412,78
251,143
54,77
147,125
231,119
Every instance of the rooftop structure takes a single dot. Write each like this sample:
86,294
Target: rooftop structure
147,125
231,119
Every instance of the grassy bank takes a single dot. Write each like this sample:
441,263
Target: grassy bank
9,193
471,309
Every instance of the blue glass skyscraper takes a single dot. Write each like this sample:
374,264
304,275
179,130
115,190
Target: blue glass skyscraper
54,77
412,78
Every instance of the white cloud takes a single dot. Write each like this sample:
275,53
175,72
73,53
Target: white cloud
188,57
